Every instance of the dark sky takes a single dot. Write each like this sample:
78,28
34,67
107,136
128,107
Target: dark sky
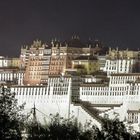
115,22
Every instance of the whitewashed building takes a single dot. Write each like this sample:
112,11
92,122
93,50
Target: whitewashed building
103,93
53,98
120,96
5,62
119,66
11,75
121,61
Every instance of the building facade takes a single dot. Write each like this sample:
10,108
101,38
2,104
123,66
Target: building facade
38,64
12,76
121,61
15,62
85,64
52,99
120,97
5,61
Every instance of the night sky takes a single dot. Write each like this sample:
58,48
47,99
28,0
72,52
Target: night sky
114,22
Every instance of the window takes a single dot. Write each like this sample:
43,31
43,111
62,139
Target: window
133,117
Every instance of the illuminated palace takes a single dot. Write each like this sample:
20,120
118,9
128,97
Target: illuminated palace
86,80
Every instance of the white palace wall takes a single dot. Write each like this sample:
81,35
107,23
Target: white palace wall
52,99
43,100
122,90
113,93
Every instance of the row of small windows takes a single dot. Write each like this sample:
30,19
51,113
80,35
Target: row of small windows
9,76
118,81
35,68
120,62
60,93
33,59
35,77
95,93
95,88
56,68
35,63
105,93
133,117
60,88
124,77
57,63
54,58
133,92
120,69
118,88
55,80
134,87
30,91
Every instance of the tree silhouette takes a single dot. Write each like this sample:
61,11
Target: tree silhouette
61,129
11,120
115,130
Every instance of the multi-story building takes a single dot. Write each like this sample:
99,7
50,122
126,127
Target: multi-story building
24,56
86,64
118,93
116,53
9,62
58,58
54,98
106,93
5,61
38,64
11,76
15,62
121,61
119,66
120,96
64,53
